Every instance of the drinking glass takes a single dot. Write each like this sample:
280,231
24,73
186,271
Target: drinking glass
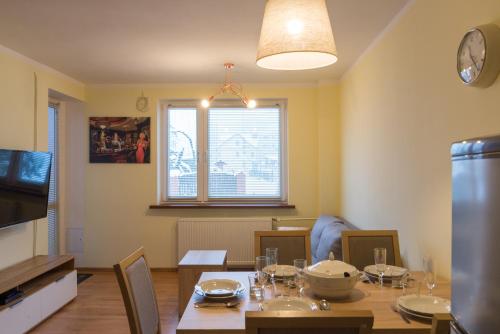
380,256
300,265
260,264
272,261
430,274
255,287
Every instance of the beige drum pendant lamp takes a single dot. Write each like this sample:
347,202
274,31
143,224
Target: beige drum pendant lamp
296,35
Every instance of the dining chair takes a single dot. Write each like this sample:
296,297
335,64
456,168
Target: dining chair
357,247
441,323
136,285
306,322
291,244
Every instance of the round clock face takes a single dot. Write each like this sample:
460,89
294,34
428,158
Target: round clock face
471,56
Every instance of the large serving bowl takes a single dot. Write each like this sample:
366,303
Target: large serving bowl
332,279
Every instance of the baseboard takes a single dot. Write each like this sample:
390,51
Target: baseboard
94,270
240,267
167,270
105,270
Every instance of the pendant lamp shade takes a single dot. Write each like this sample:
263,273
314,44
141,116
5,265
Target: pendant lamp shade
296,35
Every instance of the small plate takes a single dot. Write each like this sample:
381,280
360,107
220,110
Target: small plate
238,293
375,278
414,314
289,304
424,305
282,270
391,271
219,287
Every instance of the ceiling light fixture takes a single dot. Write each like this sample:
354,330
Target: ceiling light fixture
296,35
230,87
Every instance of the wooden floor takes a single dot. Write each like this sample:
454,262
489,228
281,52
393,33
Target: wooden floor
99,307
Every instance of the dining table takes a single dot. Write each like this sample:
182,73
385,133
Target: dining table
365,296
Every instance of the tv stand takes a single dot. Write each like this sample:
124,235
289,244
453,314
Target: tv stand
46,283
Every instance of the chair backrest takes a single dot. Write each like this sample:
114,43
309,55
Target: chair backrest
357,247
307,322
291,244
441,323
136,285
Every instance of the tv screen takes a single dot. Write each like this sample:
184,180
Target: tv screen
24,186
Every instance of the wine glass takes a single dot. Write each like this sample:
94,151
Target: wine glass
300,265
430,273
380,256
272,263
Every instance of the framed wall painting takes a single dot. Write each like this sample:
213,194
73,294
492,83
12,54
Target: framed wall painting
120,140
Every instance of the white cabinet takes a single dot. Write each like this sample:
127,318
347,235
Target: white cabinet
24,315
58,294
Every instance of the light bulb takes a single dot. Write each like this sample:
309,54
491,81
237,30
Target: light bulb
252,104
294,27
205,103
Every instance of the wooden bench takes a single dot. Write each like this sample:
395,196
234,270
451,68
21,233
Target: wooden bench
190,268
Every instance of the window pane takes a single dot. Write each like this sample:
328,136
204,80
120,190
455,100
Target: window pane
182,164
244,153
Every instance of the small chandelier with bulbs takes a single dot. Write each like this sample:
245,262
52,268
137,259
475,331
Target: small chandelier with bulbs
230,87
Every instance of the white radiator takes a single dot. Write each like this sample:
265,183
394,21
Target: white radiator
236,235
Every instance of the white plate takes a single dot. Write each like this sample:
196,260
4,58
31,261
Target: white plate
391,271
289,304
219,287
282,270
415,315
375,278
199,292
425,305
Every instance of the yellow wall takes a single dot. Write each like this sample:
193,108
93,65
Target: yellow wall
118,196
329,148
17,131
402,106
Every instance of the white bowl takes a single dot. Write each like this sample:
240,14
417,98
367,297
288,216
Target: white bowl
289,304
328,279
332,287
219,287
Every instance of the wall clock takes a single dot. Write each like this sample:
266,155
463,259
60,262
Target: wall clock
141,104
478,58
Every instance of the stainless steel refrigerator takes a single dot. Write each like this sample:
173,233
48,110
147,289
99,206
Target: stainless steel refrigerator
475,301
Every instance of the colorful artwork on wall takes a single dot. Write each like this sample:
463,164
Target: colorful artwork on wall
119,139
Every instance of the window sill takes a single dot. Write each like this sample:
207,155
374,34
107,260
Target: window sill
223,206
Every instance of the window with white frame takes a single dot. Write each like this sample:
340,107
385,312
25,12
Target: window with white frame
226,153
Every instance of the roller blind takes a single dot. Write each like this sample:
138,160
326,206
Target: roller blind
244,153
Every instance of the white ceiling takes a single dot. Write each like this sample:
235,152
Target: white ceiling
177,41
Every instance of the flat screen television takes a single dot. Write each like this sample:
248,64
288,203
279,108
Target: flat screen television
24,186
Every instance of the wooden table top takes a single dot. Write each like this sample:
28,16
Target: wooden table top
364,297
203,258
